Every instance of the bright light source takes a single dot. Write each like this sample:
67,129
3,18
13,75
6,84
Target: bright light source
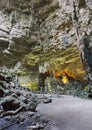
64,80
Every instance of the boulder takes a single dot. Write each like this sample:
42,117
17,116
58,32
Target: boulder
47,100
10,103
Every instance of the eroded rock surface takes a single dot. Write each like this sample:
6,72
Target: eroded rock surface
18,107
29,30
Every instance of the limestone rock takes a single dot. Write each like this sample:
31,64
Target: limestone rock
47,100
38,27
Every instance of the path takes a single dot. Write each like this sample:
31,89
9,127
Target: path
69,113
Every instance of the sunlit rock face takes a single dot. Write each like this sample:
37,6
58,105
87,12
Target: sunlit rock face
33,32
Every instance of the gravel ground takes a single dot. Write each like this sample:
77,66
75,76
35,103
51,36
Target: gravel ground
11,125
68,113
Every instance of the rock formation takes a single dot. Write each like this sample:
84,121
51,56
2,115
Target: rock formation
18,106
34,32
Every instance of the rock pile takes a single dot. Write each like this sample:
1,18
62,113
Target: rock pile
80,89
18,106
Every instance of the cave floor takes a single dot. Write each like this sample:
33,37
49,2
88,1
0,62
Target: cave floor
67,113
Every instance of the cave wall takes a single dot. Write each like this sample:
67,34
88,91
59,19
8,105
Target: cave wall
35,31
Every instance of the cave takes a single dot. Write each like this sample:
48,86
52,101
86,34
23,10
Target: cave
53,38
46,60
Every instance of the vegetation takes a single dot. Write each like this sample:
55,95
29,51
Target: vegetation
33,85
31,60
43,14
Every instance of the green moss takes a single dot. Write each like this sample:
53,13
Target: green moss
8,59
40,3
23,72
43,14
36,51
33,85
25,41
31,41
31,60
31,57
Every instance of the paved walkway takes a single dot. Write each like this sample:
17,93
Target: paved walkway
69,113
